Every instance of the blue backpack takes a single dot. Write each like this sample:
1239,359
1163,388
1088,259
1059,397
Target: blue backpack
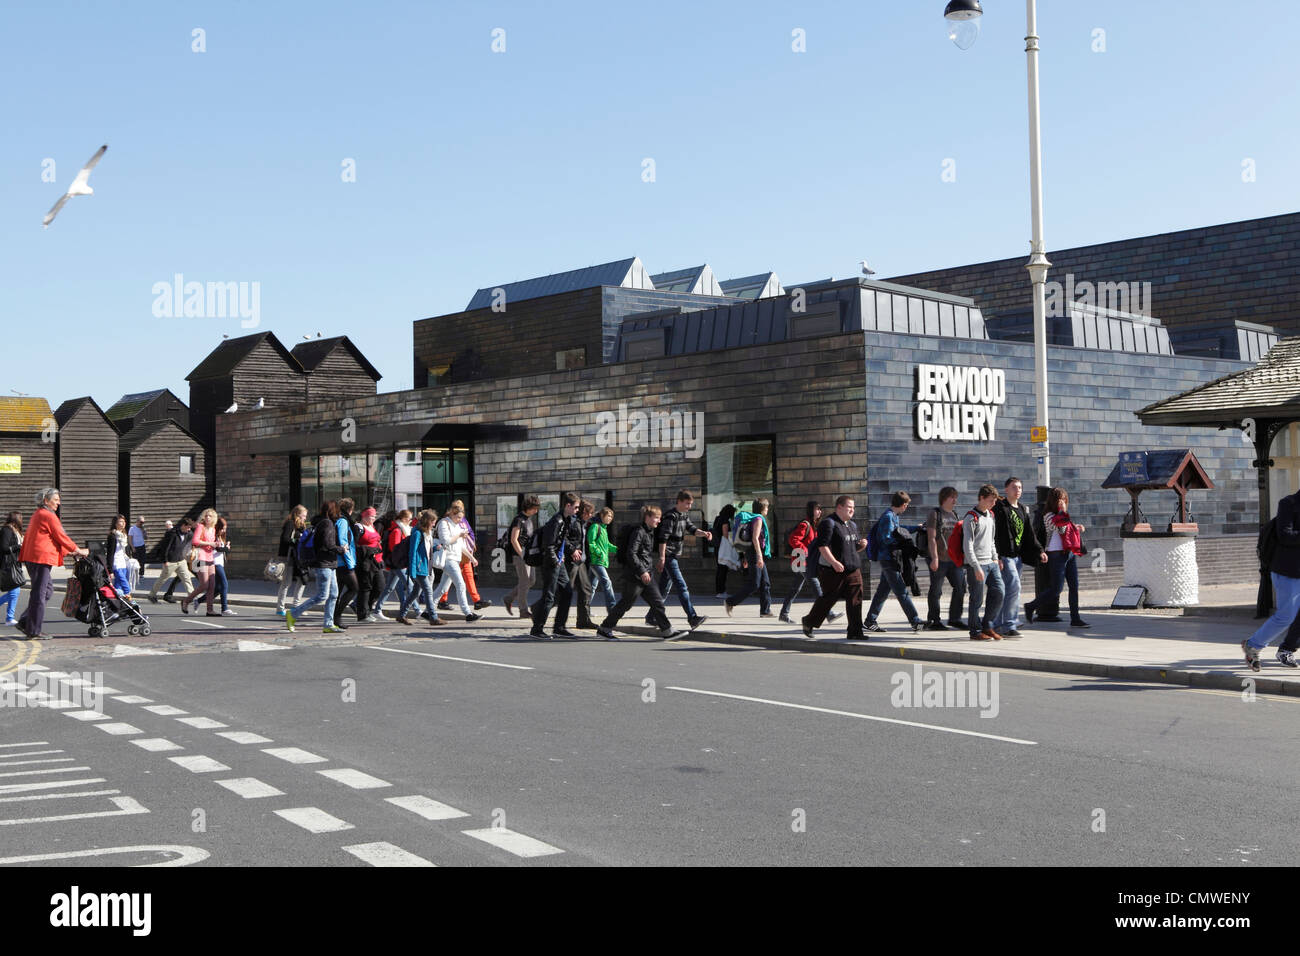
305,549
874,550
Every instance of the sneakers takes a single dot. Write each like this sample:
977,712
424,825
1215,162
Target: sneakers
935,626
153,598
481,604
331,629
1252,655
1079,622
539,635
767,614
834,616
785,619
562,632
606,634
917,625
380,616
807,628
1011,634
280,612
670,635
1287,658
704,617
471,618
288,620
873,627
229,613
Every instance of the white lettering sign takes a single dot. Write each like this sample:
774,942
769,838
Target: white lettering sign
958,403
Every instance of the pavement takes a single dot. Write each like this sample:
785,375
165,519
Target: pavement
1197,647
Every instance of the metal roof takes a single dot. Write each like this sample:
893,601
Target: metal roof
761,286
225,358
1163,466
70,407
697,280
142,433
128,405
23,414
1269,390
314,351
628,273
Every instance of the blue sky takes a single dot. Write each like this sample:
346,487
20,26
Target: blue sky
476,168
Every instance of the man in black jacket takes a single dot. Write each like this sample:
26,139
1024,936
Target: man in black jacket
638,578
669,536
171,551
562,545
1017,545
1285,570
326,552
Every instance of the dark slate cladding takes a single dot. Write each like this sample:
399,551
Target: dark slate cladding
1086,329
618,303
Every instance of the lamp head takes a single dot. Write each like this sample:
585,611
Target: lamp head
962,20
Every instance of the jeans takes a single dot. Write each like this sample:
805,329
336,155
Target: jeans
891,579
634,587
956,604
600,579
834,584
1063,568
327,590
993,582
9,601
451,574
1287,592
223,586
756,579
42,578
808,577
347,584
1010,613
420,588
672,577
556,590
396,582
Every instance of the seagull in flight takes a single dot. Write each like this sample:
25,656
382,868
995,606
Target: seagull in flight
80,187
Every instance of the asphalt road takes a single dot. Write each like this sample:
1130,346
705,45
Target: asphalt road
632,753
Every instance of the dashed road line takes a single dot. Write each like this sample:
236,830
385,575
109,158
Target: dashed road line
23,763
202,723
48,785
33,773
385,854
197,763
314,820
244,737
59,796
119,730
166,710
250,788
847,713
445,657
31,753
261,646
133,699
426,807
294,755
512,842
85,715
156,744
355,779
125,807
29,743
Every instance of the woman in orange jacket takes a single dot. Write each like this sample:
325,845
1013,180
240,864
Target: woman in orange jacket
44,547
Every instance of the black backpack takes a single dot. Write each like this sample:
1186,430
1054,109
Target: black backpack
532,545
624,544
1267,546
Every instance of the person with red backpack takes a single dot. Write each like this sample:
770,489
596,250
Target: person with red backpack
1064,544
891,574
979,554
395,555
801,539
939,527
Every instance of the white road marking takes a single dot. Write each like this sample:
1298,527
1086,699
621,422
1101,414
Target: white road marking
78,682
133,699
250,788
119,730
29,743
261,646
85,715
58,796
156,744
314,820
294,755
33,773
203,723
354,779
513,842
243,737
58,704
385,854
125,650
48,785
125,807
31,753
166,710
444,657
204,623
846,713
426,807
22,763
196,763
187,855
107,690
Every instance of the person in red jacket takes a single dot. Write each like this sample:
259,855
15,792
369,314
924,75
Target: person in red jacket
44,547
801,538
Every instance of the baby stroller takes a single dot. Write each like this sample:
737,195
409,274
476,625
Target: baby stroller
98,603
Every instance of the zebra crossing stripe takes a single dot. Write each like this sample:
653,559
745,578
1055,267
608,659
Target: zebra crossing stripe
512,842
354,779
294,755
202,723
156,744
119,730
385,854
250,788
166,710
243,737
426,807
197,763
314,820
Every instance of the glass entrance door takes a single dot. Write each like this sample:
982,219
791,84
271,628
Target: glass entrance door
448,476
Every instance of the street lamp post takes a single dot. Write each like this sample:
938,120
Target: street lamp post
963,17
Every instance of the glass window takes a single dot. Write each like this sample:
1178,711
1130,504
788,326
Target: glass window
435,466
309,493
735,473
380,468
915,320
931,318
408,480
1284,476
331,478
187,464
945,319
961,316
900,313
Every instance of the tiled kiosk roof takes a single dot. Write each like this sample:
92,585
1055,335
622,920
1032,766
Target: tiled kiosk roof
1269,390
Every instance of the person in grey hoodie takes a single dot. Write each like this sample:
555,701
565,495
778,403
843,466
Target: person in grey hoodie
980,555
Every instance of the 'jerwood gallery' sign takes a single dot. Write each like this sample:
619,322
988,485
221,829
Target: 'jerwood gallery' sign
958,402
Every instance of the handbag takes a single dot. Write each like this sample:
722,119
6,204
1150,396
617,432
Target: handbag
274,570
728,556
439,559
12,575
